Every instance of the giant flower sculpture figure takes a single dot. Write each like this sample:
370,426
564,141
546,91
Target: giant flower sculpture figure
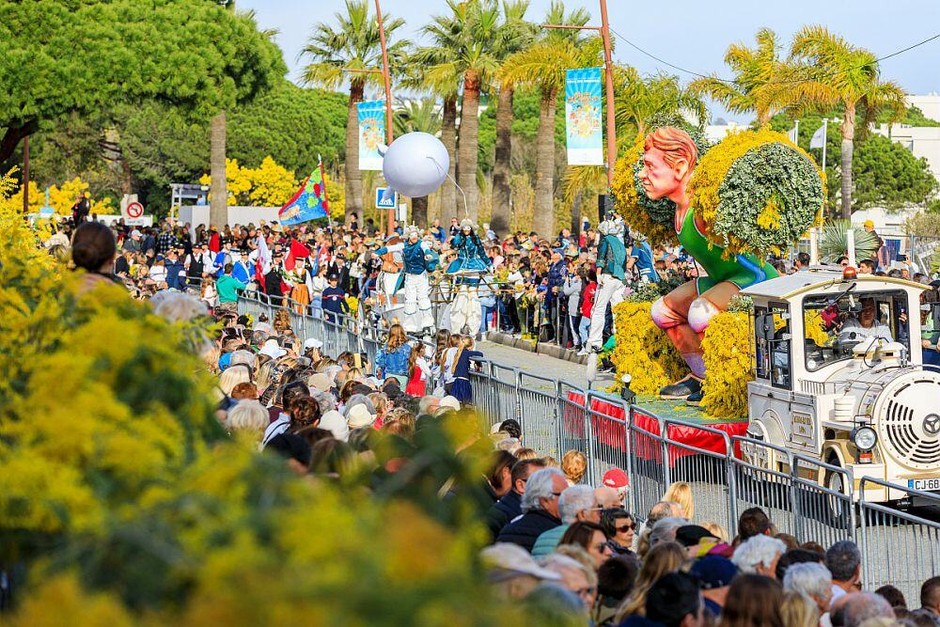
753,193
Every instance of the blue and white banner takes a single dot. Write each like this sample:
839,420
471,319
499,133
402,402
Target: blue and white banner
583,117
371,133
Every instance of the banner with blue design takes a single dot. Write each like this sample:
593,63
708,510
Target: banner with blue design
583,105
371,133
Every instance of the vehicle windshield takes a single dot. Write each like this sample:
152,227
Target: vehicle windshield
833,325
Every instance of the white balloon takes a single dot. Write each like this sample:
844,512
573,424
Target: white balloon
416,164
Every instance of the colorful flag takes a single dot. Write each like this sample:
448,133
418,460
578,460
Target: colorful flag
371,133
309,203
583,117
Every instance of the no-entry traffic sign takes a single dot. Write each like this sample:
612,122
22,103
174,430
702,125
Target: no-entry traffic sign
134,209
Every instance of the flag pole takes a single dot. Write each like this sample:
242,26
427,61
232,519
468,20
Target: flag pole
388,96
329,216
825,136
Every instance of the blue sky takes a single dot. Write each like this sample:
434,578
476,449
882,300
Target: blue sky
692,34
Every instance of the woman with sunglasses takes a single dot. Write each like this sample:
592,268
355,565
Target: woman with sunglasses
620,529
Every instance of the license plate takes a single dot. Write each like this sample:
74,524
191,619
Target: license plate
924,484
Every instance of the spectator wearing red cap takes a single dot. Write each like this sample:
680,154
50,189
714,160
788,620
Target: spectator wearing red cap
613,490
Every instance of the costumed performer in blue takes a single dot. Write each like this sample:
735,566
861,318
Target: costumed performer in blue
418,260
467,269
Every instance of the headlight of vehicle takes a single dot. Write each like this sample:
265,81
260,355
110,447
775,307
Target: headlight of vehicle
864,438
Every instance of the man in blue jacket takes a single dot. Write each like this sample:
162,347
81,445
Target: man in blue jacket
539,509
175,271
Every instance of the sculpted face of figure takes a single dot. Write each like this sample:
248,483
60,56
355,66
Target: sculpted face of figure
658,179
669,157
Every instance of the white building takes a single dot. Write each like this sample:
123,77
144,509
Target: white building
929,105
922,141
717,132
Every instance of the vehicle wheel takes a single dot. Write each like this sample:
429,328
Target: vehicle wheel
837,509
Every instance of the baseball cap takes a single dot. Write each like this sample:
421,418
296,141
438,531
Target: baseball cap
505,561
449,402
692,535
616,478
714,571
868,224
312,342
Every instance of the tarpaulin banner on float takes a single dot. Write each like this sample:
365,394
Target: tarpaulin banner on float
583,117
308,203
371,133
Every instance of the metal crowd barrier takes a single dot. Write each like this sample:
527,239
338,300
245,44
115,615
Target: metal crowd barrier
735,474
898,548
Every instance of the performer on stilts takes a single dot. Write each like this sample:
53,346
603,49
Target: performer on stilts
418,260
611,262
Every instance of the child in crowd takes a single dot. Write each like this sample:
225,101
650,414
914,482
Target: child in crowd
334,300
392,359
587,307
460,388
419,372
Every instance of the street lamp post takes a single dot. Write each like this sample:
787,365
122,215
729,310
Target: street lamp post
611,126
388,97
604,30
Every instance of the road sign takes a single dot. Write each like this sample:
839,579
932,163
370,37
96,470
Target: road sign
135,209
382,203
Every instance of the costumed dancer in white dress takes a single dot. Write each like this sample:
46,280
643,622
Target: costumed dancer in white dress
390,279
467,269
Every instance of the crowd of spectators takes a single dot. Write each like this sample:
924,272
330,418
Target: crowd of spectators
578,546
557,544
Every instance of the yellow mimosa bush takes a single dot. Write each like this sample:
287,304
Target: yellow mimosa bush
126,504
727,365
643,350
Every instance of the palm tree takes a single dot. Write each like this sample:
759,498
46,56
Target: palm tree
465,40
543,65
639,100
836,73
418,116
218,196
760,79
351,51
218,188
445,87
514,34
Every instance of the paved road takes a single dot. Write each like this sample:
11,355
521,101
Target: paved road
542,365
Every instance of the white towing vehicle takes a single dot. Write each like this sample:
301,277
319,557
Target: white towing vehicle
839,377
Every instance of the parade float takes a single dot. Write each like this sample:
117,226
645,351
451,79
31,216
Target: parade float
785,360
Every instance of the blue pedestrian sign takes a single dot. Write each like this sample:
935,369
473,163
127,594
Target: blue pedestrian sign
385,203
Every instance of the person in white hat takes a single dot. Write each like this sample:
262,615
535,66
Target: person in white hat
448,403
312,348
513,572
272,349
390,278
359,417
